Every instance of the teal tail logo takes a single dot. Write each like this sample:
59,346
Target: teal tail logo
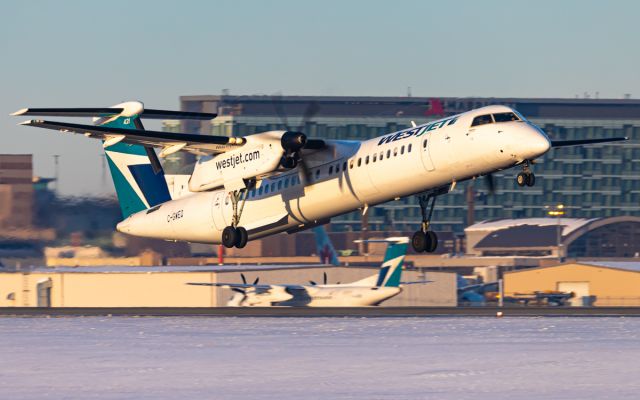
137,184
391,269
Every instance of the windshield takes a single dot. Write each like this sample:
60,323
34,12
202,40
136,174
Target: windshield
482,120
505,117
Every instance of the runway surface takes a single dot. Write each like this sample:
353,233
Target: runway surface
310,312
319,358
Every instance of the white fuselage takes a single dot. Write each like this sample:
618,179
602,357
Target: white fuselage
315,296
396,165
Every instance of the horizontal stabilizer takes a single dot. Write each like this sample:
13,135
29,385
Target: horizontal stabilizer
564,143
192,142
110,111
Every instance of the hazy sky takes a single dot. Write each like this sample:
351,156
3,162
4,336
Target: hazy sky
92,53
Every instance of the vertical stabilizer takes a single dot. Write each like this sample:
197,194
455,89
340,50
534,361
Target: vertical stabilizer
135,170
324,247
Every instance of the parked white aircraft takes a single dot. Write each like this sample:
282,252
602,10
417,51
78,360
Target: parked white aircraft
369,291
245,188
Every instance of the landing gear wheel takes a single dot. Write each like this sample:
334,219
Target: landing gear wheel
229,237
531,179
242,238
419,241
432,241
521,179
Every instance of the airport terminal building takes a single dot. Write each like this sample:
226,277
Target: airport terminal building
592,182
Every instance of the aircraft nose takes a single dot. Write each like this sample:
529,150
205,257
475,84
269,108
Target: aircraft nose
538,143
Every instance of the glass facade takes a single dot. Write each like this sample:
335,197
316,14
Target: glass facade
591,181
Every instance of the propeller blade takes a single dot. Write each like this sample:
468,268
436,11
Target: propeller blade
325,277
303,171
311,110
312,283
279,108
238,290
491,184
244,280
256,281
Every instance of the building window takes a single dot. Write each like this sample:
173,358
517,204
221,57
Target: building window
279,185
318,173
331,170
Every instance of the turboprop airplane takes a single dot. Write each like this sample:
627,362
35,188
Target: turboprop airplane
370,291
245,188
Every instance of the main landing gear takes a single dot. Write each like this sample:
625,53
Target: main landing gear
426,240
234,235
526,177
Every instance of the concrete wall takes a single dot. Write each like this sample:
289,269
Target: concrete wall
169,289
611,286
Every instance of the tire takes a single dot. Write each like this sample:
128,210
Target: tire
419,242
521,179
288,162
229,237
432,240
243,237
531,180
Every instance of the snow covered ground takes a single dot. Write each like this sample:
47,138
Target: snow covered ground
319,358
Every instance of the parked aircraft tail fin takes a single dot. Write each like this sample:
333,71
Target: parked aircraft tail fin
324,247
391,268
136,172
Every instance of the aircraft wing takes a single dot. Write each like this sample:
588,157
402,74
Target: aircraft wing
414,282
196,144
564,143
228,285
112,111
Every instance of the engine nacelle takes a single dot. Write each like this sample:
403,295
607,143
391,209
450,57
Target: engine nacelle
260,156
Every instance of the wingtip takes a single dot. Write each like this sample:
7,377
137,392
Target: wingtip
21,111
28,122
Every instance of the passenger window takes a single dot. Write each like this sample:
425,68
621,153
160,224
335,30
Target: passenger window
482,120
381,155
351,164
375,157
424,144
395,152
505,117
389,153
409,148
366,160
402,150
279,185
359,162
260,191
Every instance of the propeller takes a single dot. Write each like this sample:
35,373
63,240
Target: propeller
491,183
293,141
324,279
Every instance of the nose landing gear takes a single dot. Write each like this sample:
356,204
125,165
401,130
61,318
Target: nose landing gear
526,177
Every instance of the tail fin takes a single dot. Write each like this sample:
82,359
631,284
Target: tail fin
391,268
137,174
326,251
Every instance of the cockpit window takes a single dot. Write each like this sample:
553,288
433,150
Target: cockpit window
482,120
505,117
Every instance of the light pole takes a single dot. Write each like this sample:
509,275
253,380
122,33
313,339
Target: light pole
557,211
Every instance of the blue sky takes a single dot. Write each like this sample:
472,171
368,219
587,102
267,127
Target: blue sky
82,53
